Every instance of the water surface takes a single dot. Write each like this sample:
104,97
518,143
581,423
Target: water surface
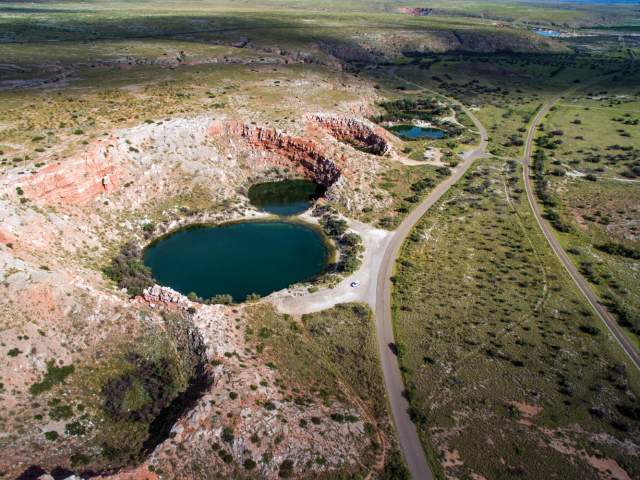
237,258
287,197
548,33
412,132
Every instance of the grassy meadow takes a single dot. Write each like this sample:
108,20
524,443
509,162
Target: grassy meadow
504,362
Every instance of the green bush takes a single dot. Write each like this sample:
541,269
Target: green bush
128,270
591,330
333,226
394,468
76,428
619,249
286,469
227,435
60,412
221,299
54,375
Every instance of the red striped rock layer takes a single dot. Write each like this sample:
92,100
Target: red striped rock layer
78,180
355,132
301,151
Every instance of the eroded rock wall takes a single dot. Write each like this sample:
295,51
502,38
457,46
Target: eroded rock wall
78,179
307,153
355,132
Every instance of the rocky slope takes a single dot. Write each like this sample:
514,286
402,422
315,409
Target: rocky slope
359,133
77,352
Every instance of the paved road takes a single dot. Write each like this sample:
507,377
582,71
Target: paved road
405,429
602,312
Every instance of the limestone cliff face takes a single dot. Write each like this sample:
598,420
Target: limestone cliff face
355,132
306,153
77,180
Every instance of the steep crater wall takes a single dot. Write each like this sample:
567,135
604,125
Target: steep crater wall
313,159
355,132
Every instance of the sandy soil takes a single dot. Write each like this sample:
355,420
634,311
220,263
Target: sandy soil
375,242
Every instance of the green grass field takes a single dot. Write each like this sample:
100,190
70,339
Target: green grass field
485,316
592,176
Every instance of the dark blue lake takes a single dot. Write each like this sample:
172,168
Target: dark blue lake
237,258
412,132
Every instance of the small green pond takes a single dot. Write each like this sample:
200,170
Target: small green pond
238,258
412,132
285,198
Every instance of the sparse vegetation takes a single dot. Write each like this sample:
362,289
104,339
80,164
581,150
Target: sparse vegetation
485,251
490,336
128,271
53,376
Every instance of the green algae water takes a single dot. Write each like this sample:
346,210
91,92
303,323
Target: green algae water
285,198
237,258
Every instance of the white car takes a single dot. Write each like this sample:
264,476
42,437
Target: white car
354,284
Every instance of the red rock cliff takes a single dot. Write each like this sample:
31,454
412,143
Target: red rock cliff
76,180
355,132
306,153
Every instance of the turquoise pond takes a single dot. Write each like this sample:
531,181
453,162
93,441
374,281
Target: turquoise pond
238,258
548,33
412,132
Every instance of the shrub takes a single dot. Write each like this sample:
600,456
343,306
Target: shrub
225,456
619,249
53,376
60,412
51,435
443,171
394,468
286,469
128,270
333,226
422,184
220,299
249,464
626,317
227,435
591,330
75,428
337,417
78,459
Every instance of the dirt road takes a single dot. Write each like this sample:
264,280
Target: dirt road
406,430
602,312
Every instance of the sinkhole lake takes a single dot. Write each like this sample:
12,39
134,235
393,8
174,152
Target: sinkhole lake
412,132
549,33
287,197
237,258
